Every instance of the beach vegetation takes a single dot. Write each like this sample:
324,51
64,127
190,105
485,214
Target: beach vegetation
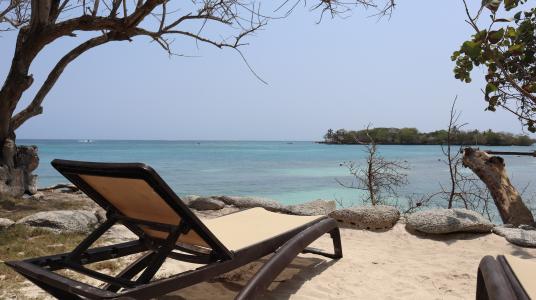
18,242
15,208
505,46
412,136
378,177
462,189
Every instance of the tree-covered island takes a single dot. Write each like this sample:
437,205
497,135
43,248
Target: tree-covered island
412,136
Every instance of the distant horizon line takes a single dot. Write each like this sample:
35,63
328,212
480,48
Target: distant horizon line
163,140
249,140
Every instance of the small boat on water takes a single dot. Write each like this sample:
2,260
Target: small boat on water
85,141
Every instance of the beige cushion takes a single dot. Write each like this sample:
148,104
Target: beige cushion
525,271
248,227
137,199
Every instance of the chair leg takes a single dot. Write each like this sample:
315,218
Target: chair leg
285,254
131,271
337,246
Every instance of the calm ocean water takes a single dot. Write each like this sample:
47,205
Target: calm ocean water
290,172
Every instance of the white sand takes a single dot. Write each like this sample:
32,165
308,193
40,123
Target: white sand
376,265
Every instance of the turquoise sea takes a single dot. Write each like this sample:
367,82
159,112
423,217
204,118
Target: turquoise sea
290,172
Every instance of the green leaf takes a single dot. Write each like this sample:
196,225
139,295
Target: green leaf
472,49
490,88
455,55
495,36
516,49
511,32
480,36
509,4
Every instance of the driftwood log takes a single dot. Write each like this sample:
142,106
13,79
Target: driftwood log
492,171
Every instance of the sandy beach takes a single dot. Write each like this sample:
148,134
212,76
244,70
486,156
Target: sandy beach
376,265
386,264
137,137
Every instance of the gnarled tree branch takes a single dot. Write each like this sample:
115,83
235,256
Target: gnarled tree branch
35,108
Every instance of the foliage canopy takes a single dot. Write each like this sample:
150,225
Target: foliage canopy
506,48
412,136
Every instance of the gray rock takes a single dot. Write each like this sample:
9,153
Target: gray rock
313,208
31,183
210,214
249,202
100,214
517,236
189,198
367,217
5,223
15,177
27,160
527,227
62,220
118,234
504,230
440,221
38,196
16,169
206,203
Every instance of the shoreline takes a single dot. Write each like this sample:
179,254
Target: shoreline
409,264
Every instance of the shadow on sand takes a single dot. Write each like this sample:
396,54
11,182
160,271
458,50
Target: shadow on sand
301,270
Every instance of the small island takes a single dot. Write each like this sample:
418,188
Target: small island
412,136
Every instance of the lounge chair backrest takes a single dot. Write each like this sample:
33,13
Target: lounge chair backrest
136,191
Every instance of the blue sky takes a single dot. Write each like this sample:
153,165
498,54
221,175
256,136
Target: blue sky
342,73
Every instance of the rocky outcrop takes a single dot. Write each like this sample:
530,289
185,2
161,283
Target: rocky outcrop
441,221
16,167
189,198
100,214
5,223
249,202
313,208
200,203
517,236
210,214
62,220
377,217
38,196
206,203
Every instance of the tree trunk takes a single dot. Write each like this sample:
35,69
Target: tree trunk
491,170
16,166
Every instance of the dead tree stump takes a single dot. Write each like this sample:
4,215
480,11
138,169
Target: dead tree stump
492,171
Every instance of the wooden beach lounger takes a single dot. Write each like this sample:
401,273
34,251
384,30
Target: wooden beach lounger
134,195
506,278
